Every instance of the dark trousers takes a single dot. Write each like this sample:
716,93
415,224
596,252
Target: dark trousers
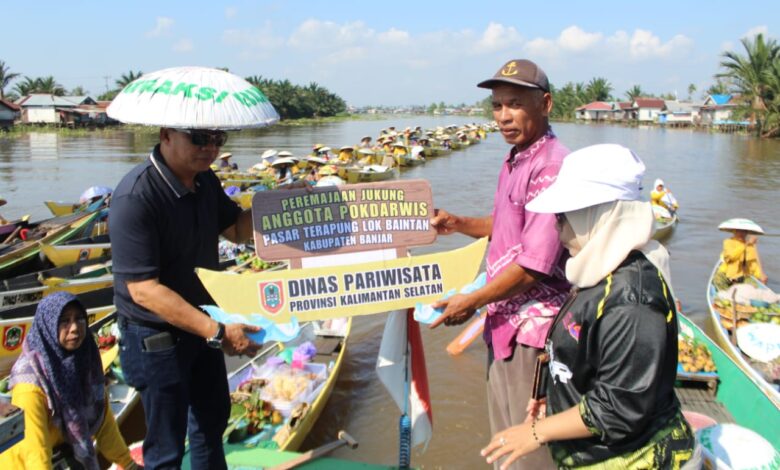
184,391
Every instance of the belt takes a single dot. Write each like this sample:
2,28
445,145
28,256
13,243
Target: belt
146,323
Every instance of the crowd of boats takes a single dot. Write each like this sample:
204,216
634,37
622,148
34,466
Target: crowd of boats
278,396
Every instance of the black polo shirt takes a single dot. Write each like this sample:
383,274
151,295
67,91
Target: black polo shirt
160,229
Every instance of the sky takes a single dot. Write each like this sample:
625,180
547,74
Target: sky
385,53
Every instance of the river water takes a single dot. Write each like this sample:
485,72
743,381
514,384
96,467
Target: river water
713,176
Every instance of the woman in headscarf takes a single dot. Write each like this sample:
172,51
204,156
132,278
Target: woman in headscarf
58,381
612,349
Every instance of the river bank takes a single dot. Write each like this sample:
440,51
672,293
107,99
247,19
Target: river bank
19,130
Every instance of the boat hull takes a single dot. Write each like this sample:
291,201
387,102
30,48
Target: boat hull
748,402
722,338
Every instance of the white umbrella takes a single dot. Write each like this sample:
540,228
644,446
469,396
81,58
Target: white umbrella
741,224
761,341
193,98
93,192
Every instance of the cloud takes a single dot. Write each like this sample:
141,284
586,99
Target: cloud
575,39
326,34
498,37
253,43
349,54
393,36
162,27
183,45
644,44
755,31
231,12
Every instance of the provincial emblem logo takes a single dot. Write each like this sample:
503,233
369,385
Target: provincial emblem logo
271,296
13,336
510,69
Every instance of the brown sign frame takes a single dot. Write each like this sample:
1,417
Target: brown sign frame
299,223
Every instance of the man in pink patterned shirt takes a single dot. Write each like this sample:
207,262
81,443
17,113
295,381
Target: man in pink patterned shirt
526,284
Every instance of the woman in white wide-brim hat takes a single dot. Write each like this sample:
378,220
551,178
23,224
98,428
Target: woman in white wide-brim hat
740,254
612,348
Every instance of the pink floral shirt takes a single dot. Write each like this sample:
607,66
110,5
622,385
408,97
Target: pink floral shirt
530,240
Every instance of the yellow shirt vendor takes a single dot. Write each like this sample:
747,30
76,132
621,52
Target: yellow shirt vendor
740,255
58,381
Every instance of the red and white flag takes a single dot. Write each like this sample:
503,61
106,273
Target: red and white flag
390,368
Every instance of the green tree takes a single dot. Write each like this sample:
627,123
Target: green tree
108,96
634,92
293,101
598,89
78,91
720,87
39,85
691,91
751,73
127,78
6,77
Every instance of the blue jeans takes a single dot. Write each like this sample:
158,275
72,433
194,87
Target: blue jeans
184,391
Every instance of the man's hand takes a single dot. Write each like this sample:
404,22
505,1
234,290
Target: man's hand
457,309
235,341
444,222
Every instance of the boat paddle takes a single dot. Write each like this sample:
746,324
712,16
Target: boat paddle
343,439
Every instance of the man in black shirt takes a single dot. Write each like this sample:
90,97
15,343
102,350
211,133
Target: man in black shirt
166,218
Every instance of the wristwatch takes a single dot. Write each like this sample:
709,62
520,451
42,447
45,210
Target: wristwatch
216,340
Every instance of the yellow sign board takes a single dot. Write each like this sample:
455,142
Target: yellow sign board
341,291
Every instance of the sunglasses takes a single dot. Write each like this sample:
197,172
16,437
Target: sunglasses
560,218
205,138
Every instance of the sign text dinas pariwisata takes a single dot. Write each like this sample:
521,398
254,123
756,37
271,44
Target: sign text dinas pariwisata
337,291
301,223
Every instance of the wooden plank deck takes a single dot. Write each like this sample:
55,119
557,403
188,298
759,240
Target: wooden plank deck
701,400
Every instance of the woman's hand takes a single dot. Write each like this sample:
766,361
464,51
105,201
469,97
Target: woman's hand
536,409
515,441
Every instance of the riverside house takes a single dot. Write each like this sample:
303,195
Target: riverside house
9,112
647,109
50,109
595,111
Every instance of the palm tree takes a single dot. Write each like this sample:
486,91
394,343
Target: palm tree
25,87
598,89
49,85
128,78
634,92
6,76
691,90
751,72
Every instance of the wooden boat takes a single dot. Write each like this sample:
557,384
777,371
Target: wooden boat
11,227
13,258
370,174
407,160
256,458
16,321
729,395
80,249
60,208
722,323
31,288
665,222
331,350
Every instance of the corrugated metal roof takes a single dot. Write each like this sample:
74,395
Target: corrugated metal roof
41,99
721,99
